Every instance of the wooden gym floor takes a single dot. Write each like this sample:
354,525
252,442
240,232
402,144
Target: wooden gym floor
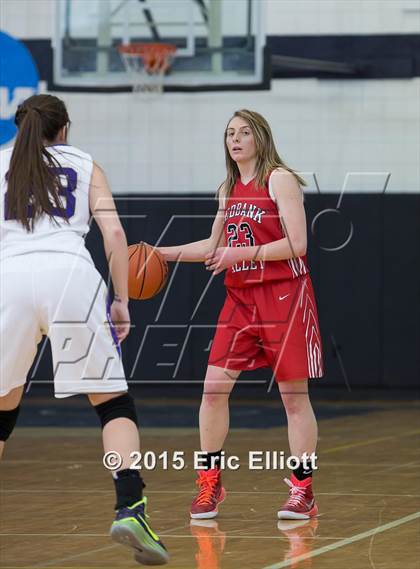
57,500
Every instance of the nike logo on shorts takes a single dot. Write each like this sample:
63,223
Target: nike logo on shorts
283,297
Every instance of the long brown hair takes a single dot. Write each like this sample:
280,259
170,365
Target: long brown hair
33,182
268,158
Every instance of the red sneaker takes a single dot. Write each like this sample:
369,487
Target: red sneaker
301,503
211,494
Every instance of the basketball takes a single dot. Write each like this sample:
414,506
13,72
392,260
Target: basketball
147,271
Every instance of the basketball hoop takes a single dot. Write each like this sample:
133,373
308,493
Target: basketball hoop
147,64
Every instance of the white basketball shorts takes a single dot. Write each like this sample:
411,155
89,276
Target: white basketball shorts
64,297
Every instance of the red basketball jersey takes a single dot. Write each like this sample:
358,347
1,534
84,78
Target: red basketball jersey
252,218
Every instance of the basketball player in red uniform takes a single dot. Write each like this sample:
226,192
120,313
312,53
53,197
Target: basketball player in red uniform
269,318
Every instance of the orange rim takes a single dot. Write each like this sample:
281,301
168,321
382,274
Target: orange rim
156,56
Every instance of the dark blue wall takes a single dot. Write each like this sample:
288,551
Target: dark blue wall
370,56
368,293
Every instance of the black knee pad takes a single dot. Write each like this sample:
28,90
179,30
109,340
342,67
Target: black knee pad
7,422
122,406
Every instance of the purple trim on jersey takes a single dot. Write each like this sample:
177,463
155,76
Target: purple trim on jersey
60,144
111,325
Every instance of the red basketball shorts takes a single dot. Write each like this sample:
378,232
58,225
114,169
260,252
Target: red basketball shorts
273,324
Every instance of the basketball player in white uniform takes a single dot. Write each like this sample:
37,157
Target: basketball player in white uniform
49,285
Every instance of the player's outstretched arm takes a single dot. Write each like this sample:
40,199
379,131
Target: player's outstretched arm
105,213
196,252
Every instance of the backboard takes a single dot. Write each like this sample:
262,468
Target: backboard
219,42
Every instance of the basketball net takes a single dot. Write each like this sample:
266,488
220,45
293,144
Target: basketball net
147,64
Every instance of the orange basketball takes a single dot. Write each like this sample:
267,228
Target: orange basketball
147,271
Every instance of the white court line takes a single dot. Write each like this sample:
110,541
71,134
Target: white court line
89,552
165,535
54,534
393,467
98,550
344,542
191,492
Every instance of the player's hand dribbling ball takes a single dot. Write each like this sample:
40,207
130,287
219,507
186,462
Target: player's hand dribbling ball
147,271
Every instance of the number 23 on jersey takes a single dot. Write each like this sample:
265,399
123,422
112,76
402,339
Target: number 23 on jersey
241,236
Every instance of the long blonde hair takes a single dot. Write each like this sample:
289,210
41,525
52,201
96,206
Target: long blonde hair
268,158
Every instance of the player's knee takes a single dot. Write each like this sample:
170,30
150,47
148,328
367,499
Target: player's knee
7,422
215,395
97,398
118,407
295,403
12,399
218,385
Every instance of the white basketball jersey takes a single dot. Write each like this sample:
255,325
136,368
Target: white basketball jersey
56,234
